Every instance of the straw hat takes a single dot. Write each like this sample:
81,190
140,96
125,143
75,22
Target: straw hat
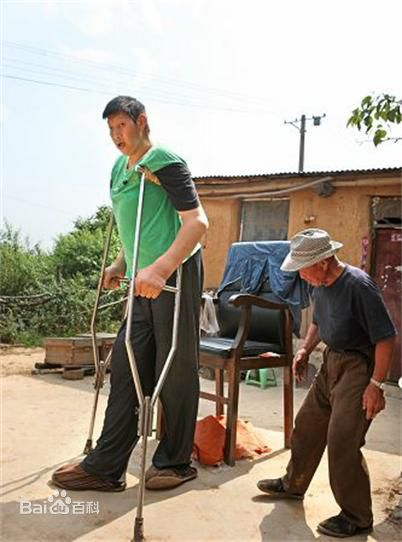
309,247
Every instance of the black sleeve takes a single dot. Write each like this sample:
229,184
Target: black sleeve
177,181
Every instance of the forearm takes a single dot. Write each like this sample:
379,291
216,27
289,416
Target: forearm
311,340
382,358
300,360
373,396
189,235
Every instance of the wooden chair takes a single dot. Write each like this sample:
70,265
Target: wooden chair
249,326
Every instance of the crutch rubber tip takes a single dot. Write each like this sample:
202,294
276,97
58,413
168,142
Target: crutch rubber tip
139,530
88,447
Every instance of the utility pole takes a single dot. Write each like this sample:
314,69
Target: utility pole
301,145
302,131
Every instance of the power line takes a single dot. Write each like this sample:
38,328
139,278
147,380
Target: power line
51,84
123,70
155,98
40,69
166,86
33,204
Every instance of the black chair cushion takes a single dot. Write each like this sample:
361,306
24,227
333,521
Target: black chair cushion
220,346
265,325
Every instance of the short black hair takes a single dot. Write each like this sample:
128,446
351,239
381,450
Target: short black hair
124,104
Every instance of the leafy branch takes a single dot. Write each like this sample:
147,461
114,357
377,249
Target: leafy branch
375,115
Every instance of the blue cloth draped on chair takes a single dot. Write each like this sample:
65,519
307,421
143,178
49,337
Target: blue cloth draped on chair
257,263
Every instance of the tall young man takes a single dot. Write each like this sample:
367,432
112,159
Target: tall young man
173,223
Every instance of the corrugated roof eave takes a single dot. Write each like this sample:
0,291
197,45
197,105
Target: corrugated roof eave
217,179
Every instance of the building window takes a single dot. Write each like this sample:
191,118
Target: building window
264,220
386,211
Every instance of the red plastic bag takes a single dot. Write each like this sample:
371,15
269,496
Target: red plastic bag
209,440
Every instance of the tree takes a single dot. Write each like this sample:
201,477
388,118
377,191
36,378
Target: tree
80,251
375,115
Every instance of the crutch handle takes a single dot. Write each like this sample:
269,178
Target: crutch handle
172,289
166,288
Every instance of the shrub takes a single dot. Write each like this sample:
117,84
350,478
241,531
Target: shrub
43,294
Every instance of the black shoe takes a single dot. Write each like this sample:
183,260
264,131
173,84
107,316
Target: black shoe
340,527
274,487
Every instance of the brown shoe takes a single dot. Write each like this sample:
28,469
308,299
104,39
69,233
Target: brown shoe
73,477
168,478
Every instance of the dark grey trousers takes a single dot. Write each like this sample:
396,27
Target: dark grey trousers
151,338
332,415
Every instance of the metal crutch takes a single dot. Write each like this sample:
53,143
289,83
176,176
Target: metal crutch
101,366
147,404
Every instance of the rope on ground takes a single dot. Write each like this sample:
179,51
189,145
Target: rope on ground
27,300
33,300
25,296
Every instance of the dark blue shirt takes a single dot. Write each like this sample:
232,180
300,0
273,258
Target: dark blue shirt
351,314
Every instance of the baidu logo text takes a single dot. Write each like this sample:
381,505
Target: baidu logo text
59,503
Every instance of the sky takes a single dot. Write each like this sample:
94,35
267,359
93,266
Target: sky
219,78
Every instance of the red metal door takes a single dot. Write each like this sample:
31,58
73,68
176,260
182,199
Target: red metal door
388,274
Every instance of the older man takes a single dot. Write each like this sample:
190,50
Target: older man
351,319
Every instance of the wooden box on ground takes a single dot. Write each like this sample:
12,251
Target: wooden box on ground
107,341
69,350
76,351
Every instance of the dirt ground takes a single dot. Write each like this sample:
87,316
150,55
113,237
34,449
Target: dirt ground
45,423
19,360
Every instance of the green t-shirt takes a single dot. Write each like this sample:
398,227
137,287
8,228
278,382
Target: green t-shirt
160,220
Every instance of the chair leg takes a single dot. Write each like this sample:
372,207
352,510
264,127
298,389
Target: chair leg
288,404
219,391
232,410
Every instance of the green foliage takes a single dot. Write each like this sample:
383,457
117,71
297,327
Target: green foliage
375,115
81,250
44,294
99,221
78,252
22,266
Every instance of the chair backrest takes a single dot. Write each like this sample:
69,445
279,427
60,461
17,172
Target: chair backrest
265,325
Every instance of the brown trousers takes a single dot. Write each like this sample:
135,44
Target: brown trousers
332,415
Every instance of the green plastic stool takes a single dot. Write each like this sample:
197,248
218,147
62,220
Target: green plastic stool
264,378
